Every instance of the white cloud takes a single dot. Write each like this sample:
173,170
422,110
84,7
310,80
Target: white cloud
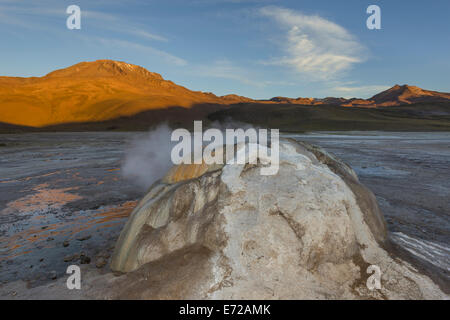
101,20
169,58
225,69
314,46
359,91
147,35
112,22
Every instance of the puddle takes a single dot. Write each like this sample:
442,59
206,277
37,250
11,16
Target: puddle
44,199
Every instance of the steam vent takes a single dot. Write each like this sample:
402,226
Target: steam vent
228,232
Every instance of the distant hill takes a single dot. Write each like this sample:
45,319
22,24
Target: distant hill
110,95
398,95
395,96
93,91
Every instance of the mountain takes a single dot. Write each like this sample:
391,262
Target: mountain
234,98
405,94
93,91
113,92
303,101
395,96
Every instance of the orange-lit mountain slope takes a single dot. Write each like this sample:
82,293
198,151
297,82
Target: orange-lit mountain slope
92,91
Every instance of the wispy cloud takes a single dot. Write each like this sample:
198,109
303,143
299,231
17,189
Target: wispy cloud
169,58
359,91
314,46
116,24
225,69
147,35
21,16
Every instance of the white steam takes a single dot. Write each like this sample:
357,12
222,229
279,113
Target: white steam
147,159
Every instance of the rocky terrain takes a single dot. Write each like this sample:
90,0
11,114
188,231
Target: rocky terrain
310,231
67,204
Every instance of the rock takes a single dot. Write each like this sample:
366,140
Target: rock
52,275
226,232
101,262
66,243
68,258
72,257
85,259
83,238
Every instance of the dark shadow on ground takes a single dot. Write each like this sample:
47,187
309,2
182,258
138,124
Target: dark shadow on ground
286,117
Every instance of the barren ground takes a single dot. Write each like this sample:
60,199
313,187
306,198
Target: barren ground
63,200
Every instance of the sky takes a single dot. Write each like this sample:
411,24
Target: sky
255,48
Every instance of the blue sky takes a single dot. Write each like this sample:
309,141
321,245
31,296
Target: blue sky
255,48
